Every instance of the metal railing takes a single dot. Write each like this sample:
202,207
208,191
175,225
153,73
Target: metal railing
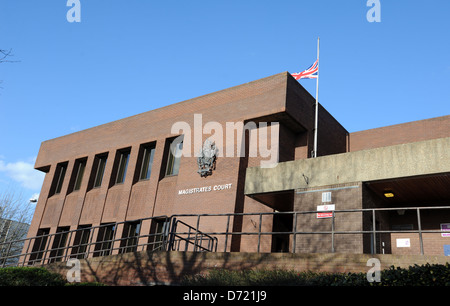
103,240
298,229
192,238
178,233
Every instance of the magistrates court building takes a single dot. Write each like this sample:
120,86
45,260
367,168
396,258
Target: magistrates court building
127,185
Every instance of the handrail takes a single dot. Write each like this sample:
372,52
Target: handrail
177,233
212,241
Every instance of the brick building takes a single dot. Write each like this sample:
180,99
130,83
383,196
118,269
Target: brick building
116,174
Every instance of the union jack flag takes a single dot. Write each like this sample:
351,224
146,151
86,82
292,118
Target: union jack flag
310,73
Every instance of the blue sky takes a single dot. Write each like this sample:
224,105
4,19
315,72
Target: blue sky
128,57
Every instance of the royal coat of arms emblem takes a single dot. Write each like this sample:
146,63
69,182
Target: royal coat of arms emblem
207,158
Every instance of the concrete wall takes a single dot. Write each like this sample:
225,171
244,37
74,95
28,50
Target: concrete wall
418,158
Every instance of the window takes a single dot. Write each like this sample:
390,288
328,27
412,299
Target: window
39,246
147,161
124,156
174,156
159,232
105,238
130,237
58,179
81,241
59,243
98,170
77,175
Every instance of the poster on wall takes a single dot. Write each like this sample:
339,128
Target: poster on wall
403,243
445,227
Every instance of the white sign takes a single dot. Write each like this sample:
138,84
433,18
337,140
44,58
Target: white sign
205,189
326,196
445,227
327,211
403,243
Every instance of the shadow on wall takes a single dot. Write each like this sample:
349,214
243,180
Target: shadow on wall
168,268
154,268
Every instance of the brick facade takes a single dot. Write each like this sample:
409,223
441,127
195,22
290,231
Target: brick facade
400,133
278,98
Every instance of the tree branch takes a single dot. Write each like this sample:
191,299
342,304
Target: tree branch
4,54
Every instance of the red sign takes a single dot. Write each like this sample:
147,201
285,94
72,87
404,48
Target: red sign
327,211
325,215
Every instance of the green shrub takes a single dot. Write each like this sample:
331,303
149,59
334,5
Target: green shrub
29,276
221,277
36,276
425,275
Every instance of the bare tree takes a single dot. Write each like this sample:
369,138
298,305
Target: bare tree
15,218
4,57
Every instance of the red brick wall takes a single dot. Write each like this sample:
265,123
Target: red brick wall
344,196
159,195
277,98
433,243
332,136
400,133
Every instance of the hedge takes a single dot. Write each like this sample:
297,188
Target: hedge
29,276
425,275
35,276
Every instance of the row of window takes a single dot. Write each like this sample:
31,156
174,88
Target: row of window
102,244
143,168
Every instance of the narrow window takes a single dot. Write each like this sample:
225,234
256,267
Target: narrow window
59,244
124,156
159,232
39,246
98,170
130,236
103,246
77,175
174,157
81,242
147,161
58,179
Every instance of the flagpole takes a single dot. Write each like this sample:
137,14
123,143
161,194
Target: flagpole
317,101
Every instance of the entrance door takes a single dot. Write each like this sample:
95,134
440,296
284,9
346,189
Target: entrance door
281,223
